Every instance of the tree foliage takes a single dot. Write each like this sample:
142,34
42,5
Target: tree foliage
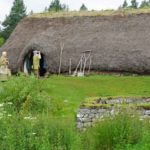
83,8
57,6
18,12
134,4
125,4
145,4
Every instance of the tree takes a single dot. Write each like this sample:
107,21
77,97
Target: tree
57,6
125,4
144,4
18,12
83,8
46,9
134,4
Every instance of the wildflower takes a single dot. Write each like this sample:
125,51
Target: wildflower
29,118
66,101
9,103
2,104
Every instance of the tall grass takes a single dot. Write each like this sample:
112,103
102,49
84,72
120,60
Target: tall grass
17,133
123,132
40,114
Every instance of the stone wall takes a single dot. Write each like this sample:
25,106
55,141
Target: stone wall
87,116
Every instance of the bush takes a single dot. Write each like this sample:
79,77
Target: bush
114,133
26,94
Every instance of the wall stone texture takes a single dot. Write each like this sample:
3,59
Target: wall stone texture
88,116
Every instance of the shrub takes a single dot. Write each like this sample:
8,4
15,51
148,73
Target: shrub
114,133
25,93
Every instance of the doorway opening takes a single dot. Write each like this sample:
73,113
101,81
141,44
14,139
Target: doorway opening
28,63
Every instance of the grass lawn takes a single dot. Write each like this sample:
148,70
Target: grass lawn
67,93
72,91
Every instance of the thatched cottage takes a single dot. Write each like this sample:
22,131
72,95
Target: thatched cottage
118,42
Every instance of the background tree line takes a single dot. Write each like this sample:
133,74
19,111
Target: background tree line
18,12
134,4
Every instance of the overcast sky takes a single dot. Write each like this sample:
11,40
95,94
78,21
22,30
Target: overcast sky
39,5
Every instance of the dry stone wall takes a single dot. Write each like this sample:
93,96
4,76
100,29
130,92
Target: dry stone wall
87,116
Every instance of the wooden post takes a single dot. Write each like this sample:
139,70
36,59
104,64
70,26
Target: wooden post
78,65
81,64
70,65
90,65
85,62
60,59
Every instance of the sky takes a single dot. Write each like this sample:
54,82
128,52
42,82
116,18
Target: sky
39,5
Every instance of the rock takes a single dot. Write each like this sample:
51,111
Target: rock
147,112
91,116
101,110
79,125
80,115
94,111
85,111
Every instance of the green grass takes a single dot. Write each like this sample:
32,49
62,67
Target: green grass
121,12
67,93
76,90
40,114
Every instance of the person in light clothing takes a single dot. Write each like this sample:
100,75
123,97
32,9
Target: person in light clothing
4,70
36,63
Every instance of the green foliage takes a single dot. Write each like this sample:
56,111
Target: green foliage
121,132
134,4
43,133
2,41
57,6
40,114
145,4
83,8
18,12
63,95
25,94
125,4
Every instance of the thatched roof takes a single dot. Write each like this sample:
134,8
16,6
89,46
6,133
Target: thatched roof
118,42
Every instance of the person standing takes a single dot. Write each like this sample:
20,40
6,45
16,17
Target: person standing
4,70
36,62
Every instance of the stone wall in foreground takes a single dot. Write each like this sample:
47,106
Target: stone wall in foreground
87,116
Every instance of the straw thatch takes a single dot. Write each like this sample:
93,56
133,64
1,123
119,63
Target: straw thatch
119,43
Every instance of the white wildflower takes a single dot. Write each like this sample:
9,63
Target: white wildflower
9,103
66,101
2,104
29,118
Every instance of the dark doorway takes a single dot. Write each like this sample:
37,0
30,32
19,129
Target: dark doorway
28,63
42,70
